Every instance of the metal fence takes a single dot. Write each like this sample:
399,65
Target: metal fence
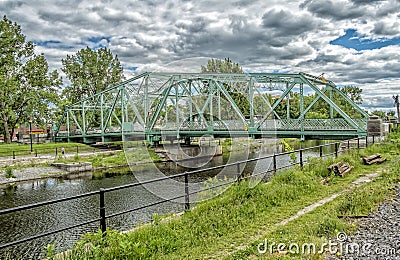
186,193
37,152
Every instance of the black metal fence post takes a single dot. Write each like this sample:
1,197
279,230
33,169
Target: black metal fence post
102,192
348,144
102,213
366,141
77,151
373,139
358,142
56,151
35,152
301,158
320,151
336,150
187,199
238,172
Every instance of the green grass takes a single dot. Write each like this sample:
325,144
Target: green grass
99,160
8,172
137,154
45,148
246,215
324,223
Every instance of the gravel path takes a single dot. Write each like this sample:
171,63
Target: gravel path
378,235
31,173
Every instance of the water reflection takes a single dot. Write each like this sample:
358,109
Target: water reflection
45,219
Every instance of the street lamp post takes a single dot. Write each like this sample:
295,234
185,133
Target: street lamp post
30,133
397,104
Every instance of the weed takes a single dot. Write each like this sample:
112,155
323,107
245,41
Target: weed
9,172
51,250
329,226
243,212
10,189
288,148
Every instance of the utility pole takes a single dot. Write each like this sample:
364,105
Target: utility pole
396,103
30,133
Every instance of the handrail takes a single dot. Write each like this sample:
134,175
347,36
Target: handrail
186,194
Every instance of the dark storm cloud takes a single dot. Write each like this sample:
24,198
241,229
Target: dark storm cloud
260,35
382,28
377,102
363,2
388,7
66,18
244,3
195,26
285,23
335,10
9,5
323,58
238,23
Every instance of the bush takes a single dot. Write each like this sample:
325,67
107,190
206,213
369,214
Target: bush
9,172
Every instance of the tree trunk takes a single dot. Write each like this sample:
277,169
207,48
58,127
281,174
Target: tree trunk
7,138
12,131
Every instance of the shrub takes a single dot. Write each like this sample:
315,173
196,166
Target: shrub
9,172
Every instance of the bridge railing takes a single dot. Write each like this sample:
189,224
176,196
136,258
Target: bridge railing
186,194
336,124
311,124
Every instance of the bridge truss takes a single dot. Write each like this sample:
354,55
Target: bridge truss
169,106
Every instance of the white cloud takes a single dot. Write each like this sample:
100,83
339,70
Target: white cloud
262,36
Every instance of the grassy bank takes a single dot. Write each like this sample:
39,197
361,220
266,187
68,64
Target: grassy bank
113,158
115,163
44,148
234,223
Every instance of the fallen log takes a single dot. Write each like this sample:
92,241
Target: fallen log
345,172
371,159
377,161
340,168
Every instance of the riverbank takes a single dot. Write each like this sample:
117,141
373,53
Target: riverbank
111,162
29,168
235,223
31,173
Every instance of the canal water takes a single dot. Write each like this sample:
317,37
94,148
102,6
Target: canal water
31,222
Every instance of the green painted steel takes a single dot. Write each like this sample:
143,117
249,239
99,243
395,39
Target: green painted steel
168,106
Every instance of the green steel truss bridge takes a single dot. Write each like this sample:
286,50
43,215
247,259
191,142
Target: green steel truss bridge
170,106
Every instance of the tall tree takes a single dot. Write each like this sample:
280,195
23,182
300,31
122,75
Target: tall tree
321,108
227,66
27,89
221,66
90,71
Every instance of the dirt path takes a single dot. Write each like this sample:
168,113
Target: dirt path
357,183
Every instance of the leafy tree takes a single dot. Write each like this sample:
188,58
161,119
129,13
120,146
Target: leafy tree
227,66
353,92
90,72
221,66
381,114
27,89
321,109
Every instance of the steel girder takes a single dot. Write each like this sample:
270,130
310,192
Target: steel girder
157,106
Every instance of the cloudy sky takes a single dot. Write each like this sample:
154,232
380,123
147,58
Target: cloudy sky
352,41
